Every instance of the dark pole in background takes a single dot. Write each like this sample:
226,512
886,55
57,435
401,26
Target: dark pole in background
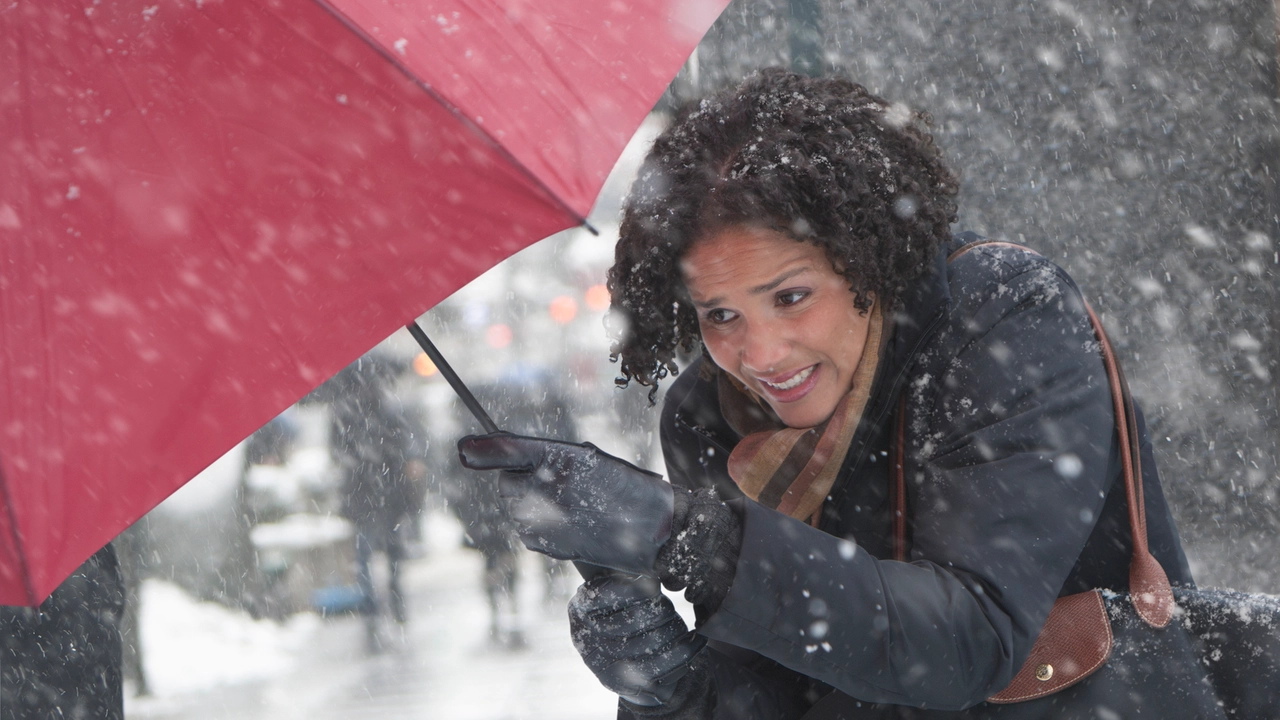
806,37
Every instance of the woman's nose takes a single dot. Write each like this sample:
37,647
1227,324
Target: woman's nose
763,350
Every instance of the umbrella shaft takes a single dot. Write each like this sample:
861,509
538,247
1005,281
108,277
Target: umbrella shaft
454,381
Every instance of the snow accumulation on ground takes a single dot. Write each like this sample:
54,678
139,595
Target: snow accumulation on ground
207,662
192,646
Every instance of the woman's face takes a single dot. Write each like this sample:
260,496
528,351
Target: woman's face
777,316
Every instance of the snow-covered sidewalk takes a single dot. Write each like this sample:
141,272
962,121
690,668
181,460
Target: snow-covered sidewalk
205,662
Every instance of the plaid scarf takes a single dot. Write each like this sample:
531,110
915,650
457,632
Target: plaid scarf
792,469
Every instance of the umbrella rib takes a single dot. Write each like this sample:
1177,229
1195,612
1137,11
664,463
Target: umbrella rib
452,109
18,548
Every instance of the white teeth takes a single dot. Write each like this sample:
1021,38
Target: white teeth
793,381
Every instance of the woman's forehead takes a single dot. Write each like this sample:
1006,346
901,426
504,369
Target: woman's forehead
746,259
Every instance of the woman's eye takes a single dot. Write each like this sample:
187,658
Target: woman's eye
720,316
791,297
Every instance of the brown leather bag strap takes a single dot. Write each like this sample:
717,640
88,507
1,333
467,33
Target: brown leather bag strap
1148,583
964,249
1129,456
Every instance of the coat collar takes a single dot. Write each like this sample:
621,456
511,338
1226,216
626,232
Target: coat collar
919,311
920,314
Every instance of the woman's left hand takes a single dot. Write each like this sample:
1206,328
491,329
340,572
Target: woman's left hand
575,502
630,636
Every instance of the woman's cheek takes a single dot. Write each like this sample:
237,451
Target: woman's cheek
715,346
720,345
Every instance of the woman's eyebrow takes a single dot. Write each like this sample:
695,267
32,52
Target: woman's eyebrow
773,284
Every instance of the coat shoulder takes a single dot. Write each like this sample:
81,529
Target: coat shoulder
989,282
1004,271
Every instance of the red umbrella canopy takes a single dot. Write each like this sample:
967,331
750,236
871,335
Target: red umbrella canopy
207,207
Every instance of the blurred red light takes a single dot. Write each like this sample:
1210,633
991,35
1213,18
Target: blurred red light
598,298
498,336
563,309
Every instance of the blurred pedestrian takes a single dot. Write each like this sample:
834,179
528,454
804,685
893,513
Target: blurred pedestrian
488,530
524,401
371,444
63,658
417,450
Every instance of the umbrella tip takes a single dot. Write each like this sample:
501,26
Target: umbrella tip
590,228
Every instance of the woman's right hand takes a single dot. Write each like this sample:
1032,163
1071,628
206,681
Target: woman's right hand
575,502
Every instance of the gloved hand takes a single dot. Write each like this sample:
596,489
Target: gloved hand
574,502
630,636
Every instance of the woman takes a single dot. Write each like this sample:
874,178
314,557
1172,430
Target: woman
797,231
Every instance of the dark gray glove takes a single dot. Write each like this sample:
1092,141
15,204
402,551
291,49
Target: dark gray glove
631,637
574,502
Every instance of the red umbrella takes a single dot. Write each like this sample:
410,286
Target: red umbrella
207,207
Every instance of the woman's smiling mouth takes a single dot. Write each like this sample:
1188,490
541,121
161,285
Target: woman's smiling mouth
792,388
791,382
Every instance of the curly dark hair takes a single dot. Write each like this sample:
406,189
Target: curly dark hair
821,160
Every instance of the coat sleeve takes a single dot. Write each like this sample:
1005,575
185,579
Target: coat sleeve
1010,454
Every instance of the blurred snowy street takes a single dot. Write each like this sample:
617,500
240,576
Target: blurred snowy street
206,662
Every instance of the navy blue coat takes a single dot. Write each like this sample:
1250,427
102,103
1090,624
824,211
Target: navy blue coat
1012,462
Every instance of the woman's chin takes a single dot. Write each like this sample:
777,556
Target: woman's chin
805,414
